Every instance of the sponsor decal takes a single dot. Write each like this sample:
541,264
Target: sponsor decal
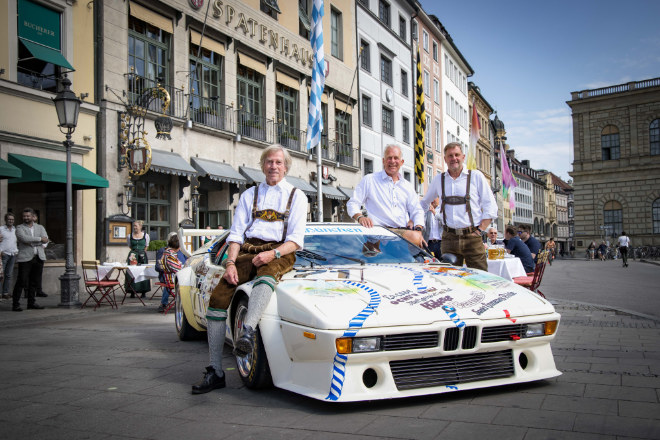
492,303
354,325
477,297
452,387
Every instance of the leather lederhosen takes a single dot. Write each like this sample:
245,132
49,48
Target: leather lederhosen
270,215
456,200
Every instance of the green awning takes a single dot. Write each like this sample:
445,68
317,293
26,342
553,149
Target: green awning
37,169
46,54
8,170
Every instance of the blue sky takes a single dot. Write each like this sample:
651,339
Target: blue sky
528,56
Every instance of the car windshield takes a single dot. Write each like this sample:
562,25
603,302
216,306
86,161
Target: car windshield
334,249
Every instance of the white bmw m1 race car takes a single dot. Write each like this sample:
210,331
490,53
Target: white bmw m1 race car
366,315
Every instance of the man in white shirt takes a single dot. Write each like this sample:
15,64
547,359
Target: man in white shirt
432,229
624,243
9,250
390,200
268,228
465,218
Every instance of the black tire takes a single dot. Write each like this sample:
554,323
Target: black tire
184,330
253,368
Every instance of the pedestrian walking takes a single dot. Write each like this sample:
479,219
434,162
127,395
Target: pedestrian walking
9,250
624,244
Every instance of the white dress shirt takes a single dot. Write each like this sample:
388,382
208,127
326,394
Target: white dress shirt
8,244
388,203
270,197
482,201
436,230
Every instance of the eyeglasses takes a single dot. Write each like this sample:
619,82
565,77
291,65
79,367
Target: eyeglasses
520,232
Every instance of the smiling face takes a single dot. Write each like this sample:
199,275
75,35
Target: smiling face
392,161
274,167
10,220
492,235
27,218
454,158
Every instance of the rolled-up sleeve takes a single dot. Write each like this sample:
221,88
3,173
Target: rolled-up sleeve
487,200
415,210
241,217
297,219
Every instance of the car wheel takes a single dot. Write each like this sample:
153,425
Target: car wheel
253,367
185,331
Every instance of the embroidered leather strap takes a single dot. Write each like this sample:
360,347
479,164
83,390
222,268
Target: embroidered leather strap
456,200
270,215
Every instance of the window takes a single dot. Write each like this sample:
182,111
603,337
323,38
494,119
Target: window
437,137
384,12
436,91
40,60
404,83
366,110
609,141
406,175
429,174
365,3
268,8
656,216
435,51
405,129
250,98
613,218
386,70
206,77
425,40
427,85
654,137
402,28
336,43
427,131
286,110
368,166
304,21
413,26
388,127
343,131
151,204
365,56
148,53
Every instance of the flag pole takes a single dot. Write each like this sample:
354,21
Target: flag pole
319,183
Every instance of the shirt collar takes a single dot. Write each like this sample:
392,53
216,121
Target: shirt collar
282,185
385,176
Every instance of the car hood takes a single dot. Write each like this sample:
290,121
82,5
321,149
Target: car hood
393,295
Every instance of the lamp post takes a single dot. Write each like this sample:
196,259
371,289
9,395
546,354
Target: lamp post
67,106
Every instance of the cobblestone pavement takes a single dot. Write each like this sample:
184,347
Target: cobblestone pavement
80,374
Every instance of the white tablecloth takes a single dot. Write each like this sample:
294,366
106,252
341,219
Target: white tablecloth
138,272
507,268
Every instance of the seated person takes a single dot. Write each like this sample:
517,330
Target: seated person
532,243
491,239
516,247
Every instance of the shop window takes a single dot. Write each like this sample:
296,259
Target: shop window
151,204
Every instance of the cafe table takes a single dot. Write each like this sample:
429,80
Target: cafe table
139,272
508,267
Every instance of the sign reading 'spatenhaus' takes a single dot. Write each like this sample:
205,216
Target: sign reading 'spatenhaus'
227,15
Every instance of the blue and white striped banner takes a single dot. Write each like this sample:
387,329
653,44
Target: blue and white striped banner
355,324
315,122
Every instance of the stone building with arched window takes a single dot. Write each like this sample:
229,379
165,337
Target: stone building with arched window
616,167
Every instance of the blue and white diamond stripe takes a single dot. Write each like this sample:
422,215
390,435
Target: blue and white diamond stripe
315,121
354,325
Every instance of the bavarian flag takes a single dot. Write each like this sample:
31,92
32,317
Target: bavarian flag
420,124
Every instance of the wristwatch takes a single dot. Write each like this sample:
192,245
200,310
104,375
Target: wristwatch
277,253
419,228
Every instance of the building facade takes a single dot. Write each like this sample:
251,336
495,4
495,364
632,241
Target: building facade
484,151
42,42
385,80
616,167
523,212
238,80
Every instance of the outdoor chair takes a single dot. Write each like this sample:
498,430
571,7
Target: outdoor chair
533,282
100,289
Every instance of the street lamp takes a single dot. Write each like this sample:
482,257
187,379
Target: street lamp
67,106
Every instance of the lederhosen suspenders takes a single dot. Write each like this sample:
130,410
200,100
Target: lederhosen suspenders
456,200
270,215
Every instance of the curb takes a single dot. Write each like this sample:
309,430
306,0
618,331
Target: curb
554,301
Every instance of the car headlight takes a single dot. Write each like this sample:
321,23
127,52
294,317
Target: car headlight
357,345
534,330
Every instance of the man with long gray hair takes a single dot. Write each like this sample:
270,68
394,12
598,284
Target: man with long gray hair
268,228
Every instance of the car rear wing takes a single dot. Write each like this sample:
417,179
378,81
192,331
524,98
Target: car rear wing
186,237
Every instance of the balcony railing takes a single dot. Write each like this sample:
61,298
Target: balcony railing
619,88
343,154
213,114
254,126
138,85
291,138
